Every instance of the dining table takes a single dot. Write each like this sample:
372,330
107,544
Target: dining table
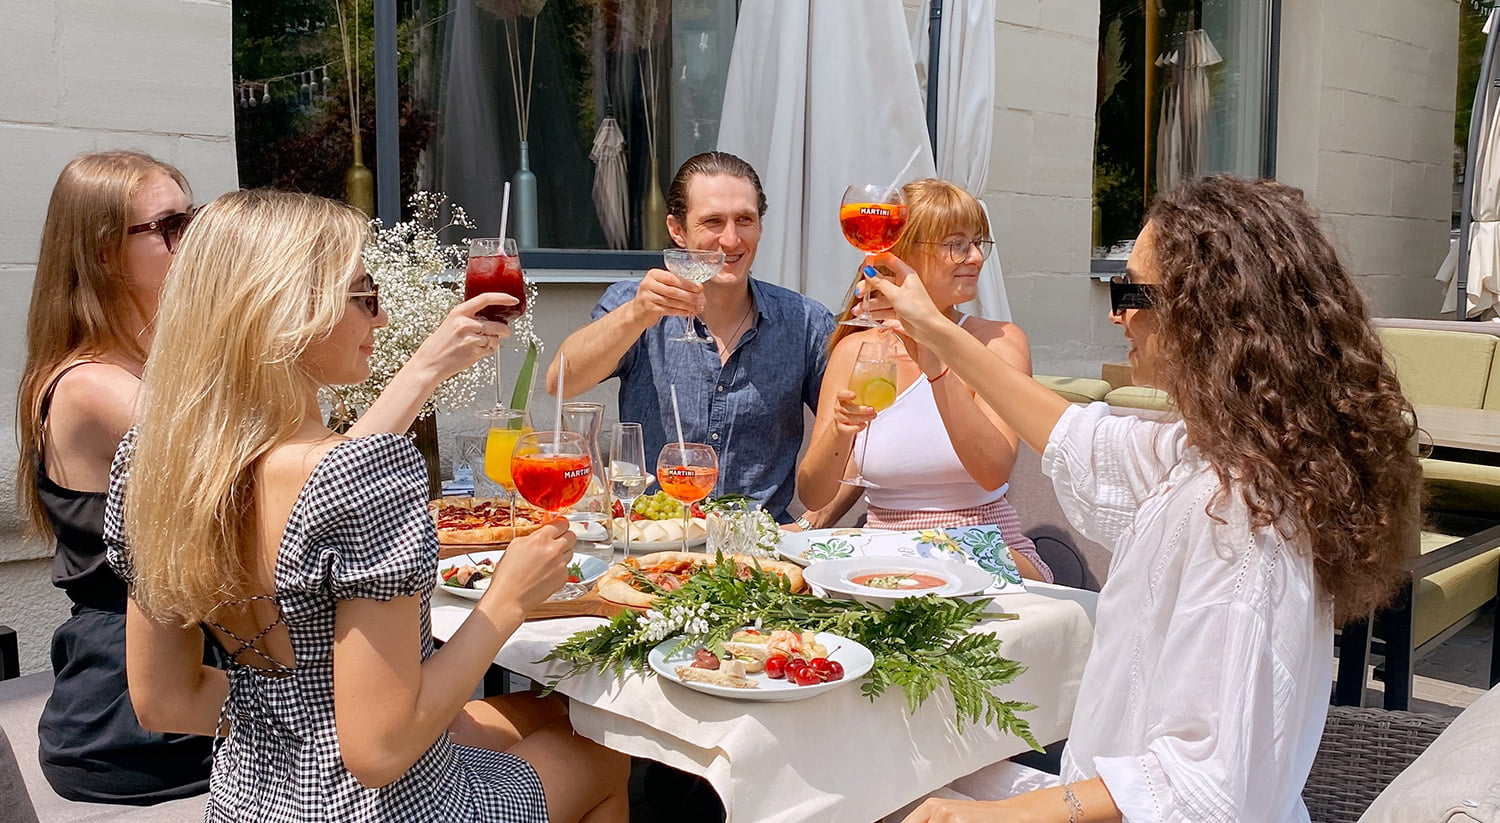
836,756
1455,427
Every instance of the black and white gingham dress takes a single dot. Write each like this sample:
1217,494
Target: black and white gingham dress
360,528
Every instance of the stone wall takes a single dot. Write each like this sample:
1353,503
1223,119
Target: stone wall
1366,129
85,75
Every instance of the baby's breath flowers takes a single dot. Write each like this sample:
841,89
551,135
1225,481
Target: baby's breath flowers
408,261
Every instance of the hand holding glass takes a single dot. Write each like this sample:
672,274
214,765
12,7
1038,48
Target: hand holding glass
495,267
873,382
872,218
688,473
696,266
551,470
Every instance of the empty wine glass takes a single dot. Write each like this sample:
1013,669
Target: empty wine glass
627,469
697,266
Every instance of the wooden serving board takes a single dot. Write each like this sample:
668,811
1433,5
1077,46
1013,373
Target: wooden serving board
589,604
447,550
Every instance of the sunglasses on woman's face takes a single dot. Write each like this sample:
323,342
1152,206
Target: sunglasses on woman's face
1124,294
369,299
170,227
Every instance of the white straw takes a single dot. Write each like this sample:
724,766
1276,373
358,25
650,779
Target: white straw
505,213
900,174
677,418
562,372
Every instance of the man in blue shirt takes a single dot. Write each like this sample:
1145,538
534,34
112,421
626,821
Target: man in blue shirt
743,393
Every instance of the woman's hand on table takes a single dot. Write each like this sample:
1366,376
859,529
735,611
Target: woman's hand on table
942,810
534,567
849,417
463,338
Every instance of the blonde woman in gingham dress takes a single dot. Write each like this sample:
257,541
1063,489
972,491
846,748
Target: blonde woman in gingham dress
311,557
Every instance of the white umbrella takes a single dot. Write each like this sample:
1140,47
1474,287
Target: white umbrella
813,121
1483,217
965,92
611,193
1182,133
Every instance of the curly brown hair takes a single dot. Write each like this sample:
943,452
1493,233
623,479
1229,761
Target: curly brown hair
1268,352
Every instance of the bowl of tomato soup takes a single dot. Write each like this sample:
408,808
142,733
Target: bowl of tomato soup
883,580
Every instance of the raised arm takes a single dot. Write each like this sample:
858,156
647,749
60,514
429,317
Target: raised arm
594,351
837,423
990,444
462,340
1027,407
389,704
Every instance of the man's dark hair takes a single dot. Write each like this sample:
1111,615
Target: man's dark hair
710,163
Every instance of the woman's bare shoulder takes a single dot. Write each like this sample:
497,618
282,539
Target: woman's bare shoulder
95,393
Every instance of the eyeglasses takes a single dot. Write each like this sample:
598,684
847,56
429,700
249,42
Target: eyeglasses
369,299
170,227
958,250
1124,294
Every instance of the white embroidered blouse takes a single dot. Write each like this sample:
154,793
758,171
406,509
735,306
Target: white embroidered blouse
1207,687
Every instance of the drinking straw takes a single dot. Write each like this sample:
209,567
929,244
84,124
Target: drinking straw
677,418
900,174
562,371
505,212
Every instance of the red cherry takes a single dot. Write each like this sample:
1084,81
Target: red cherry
835,670
806,676
776,666
820,665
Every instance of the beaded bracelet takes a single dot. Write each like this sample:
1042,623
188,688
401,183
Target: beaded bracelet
940,376
1075,808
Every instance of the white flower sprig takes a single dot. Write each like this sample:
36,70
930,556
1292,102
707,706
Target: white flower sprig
407,261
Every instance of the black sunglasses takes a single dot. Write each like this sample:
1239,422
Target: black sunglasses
1124,294
170,227
369,299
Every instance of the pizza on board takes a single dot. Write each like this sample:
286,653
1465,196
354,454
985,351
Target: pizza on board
668,571
475,521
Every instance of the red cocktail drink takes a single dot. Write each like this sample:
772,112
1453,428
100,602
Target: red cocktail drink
688,484
496,273
872,227
551,481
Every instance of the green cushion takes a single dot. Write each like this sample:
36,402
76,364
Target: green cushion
1445,597
1442,368
1139,397
1075,389
1492,394
1466,487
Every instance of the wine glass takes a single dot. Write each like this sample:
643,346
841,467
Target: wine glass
627,469
688,473
872,218
551,469
506,426
873,382
495,266
697,266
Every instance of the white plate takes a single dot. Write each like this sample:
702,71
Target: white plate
836,577
981,546
855,658
592,568
642,546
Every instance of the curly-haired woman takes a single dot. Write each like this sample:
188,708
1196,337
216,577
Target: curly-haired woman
1240,533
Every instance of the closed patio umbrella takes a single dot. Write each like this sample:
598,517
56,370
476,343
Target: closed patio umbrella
1186,103
611,193
1475,259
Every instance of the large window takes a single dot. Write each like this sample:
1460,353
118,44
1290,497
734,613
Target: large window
641,80
1184,90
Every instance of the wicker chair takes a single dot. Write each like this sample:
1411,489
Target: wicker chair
1362,751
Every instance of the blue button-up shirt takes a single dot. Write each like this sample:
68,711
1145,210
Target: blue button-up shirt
750,408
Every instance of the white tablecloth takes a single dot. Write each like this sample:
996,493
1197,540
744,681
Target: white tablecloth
835,757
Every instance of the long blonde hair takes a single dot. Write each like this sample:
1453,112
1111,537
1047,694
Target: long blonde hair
934,209
80,298
259,276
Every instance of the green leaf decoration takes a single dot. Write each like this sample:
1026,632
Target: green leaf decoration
521,395
832,549
920,644
989,550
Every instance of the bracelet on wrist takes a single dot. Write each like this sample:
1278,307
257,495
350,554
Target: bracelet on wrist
1075,808
804,523
941,375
